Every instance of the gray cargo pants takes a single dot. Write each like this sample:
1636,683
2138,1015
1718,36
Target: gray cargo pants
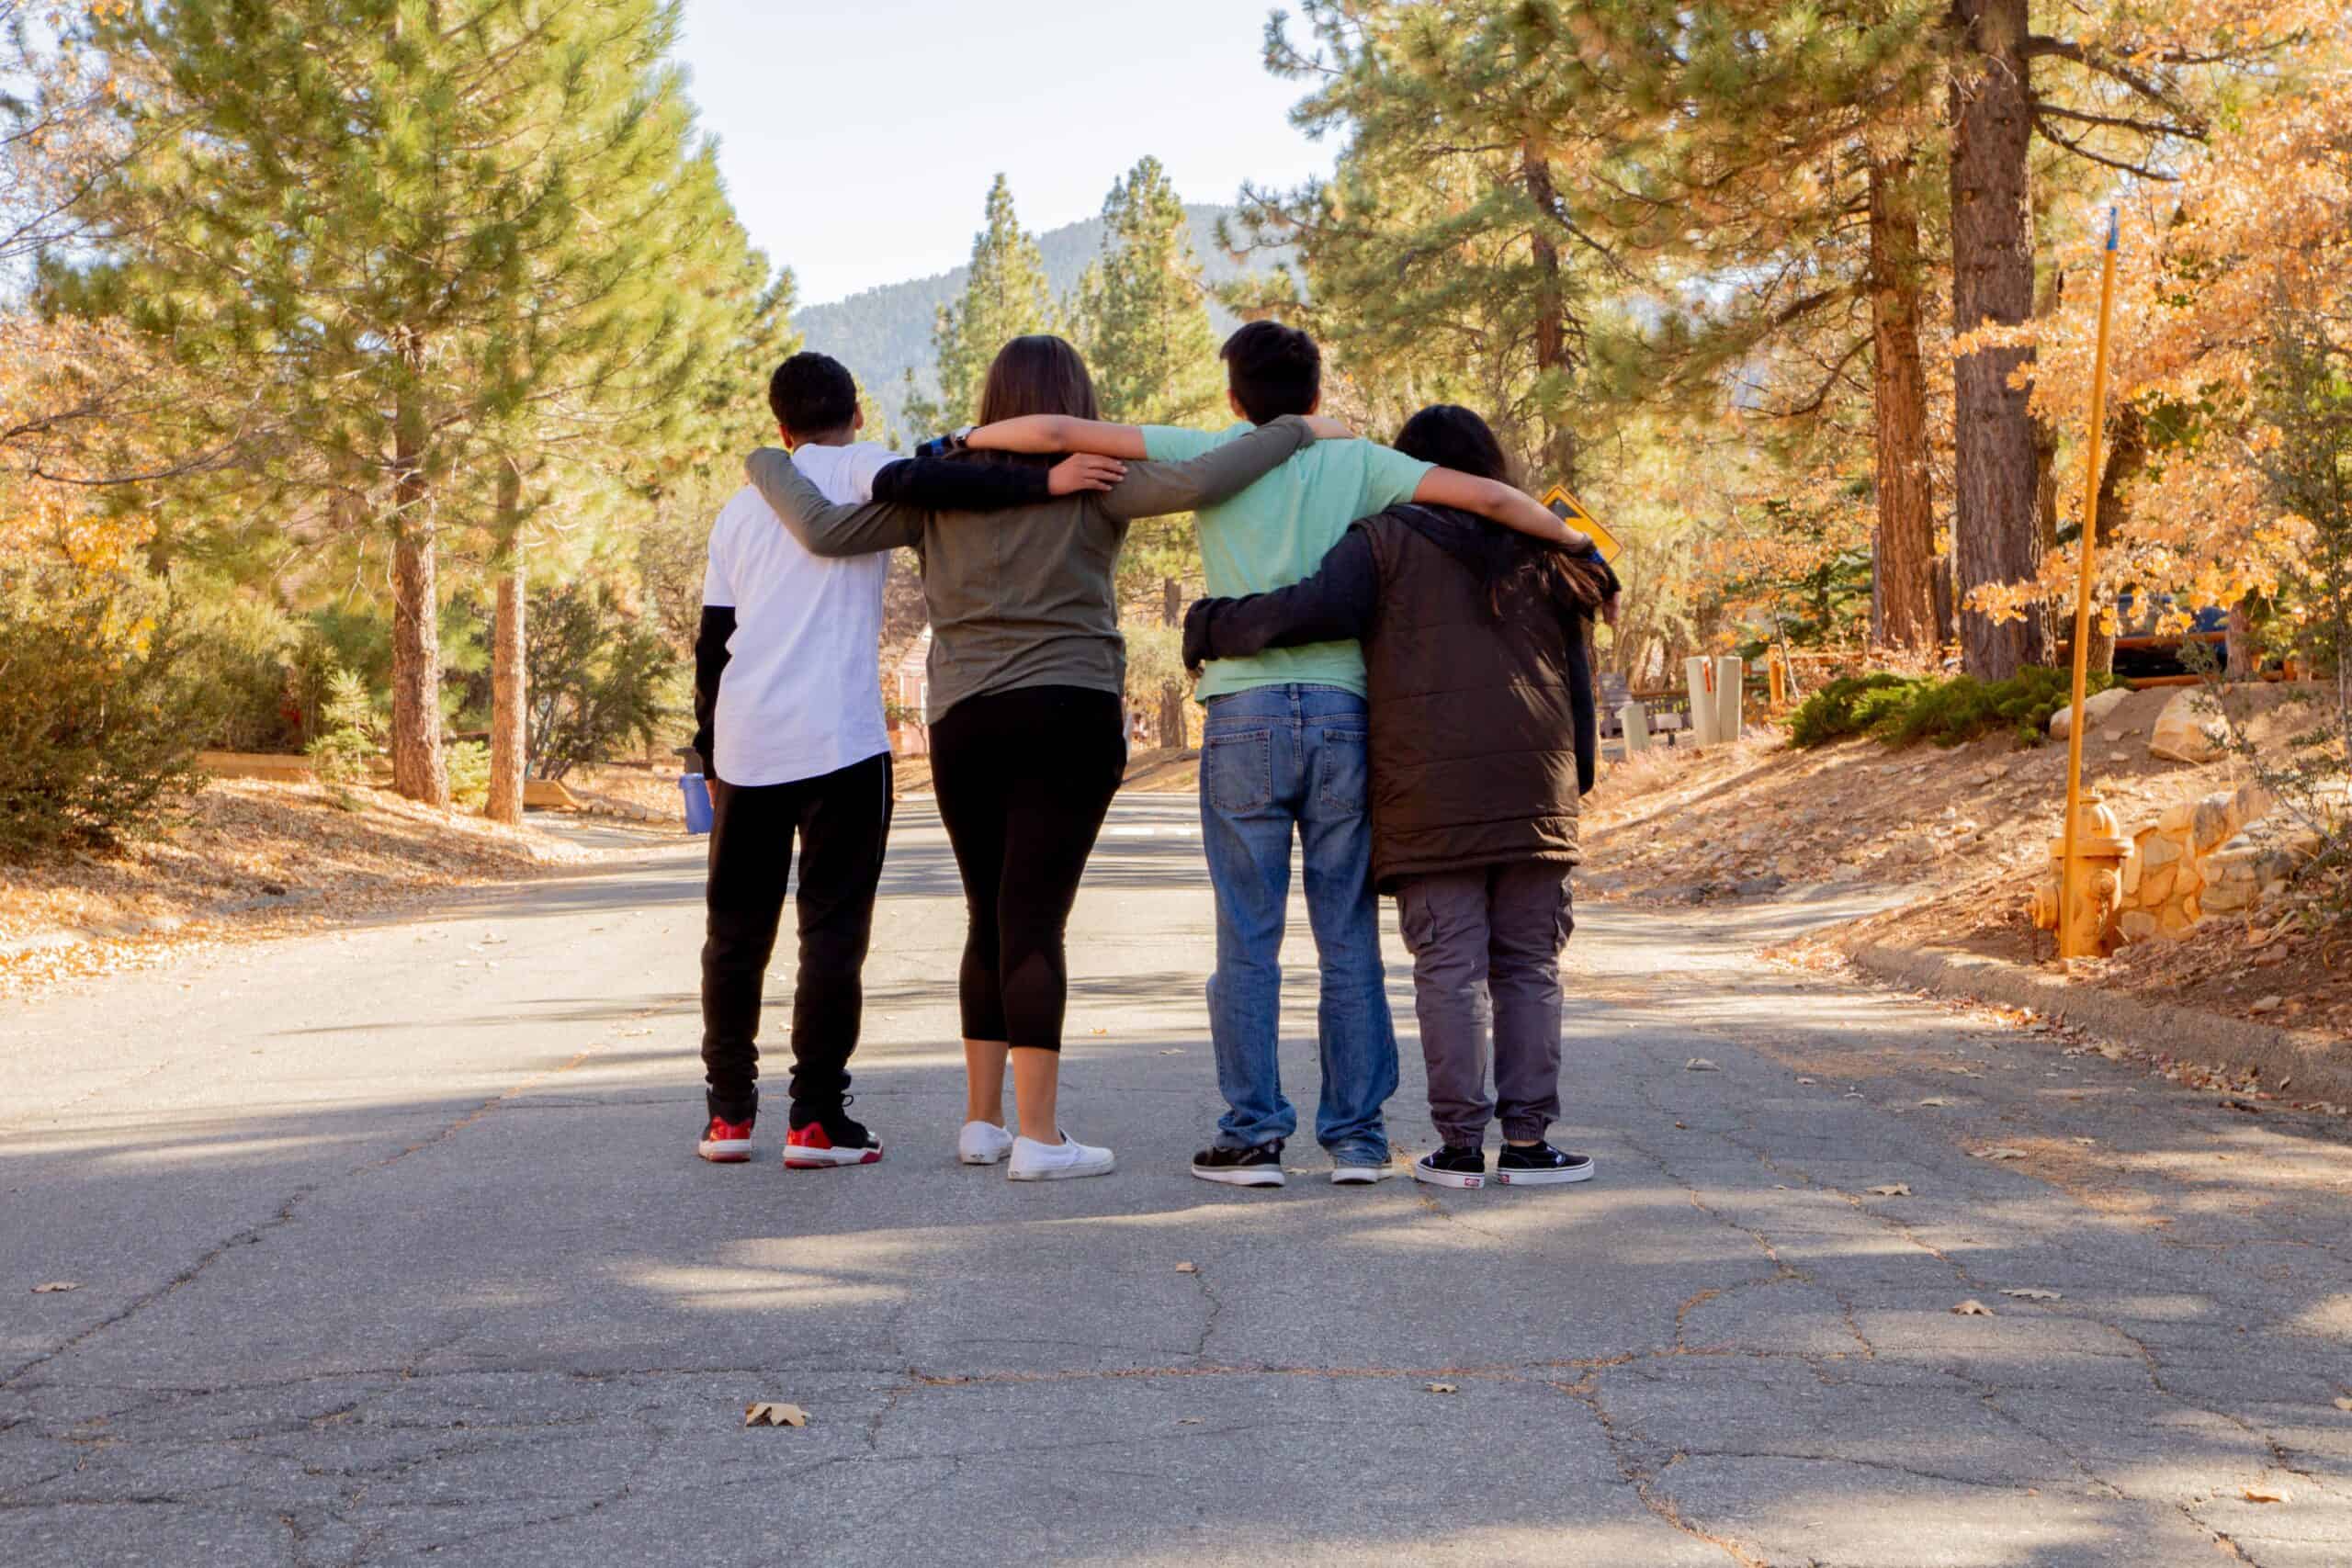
1486,947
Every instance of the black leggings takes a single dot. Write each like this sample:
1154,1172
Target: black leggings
1024,778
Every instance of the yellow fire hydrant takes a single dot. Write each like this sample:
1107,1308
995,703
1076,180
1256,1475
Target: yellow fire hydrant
2102,847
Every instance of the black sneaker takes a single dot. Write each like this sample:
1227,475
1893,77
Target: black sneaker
1541,1166
821,1139
1260,1166
1452,1166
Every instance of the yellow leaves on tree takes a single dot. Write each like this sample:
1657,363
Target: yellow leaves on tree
2256,232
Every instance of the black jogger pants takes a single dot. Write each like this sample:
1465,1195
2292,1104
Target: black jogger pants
842,822
1024,779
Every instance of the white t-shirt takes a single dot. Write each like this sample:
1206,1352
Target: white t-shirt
802,692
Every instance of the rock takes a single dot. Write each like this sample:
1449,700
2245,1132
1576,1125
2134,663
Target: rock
2159,849
2155,887
1759,887
2253,803
2188,729
2175,819
2212,820
2228,897
2098,705
2267,1004
2138,925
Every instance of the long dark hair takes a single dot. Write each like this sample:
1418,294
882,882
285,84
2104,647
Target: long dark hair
1452,437
1039,374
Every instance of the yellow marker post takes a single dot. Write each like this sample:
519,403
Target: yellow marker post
2072,942
1571,510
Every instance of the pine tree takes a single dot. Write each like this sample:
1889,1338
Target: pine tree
1142,323
339,205
1005,296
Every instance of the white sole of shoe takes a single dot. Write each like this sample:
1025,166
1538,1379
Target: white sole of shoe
829,1159
1070,1172
1360,1175
1241,1176
965,1157
1447,1177
1544,1178
731,1151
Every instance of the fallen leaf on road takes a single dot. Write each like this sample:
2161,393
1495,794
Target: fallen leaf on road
2086,1143
1998,1154
1188,1268
1700,1065
1101,1032
1444,1388
1805,1080
2264,1494
1892,1190
2342,1404
1173,1050
1190,1420
774,1416
53,1287
2031,1293
1935,1100
1972,1308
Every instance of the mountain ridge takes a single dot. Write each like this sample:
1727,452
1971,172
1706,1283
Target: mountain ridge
884,331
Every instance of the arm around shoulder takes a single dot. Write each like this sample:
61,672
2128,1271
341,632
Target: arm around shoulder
1338,603
1153,490
823,528
1498,502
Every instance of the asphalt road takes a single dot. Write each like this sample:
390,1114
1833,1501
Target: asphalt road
390,1246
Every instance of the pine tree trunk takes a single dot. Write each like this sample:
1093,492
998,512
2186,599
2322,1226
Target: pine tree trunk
1997,532
1903,597
418,771
2126,457
508,748
1552,356
2240,662
509,716
1171,694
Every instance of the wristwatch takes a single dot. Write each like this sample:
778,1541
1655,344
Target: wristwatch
947,446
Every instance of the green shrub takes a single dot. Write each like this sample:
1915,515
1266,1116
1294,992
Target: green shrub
103,704
599,678
468,765
351,730
1903,710
246,651
1851,704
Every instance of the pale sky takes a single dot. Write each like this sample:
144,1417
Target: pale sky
858,140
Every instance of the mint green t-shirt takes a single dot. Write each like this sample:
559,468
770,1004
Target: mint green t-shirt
1278,531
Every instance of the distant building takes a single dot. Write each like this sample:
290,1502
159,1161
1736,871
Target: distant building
906,689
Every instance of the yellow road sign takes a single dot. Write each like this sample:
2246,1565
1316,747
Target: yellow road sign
1571,510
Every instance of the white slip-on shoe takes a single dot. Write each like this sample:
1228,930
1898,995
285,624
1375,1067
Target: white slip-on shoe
1360,1175
982,1143
1065,1161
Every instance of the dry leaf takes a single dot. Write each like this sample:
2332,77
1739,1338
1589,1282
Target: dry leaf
1188,1268
1444,1388
2034,1294
774,1416
1100,1031
1173,1050
1700,1065
1999,1154
2342,1404
53,1287
1190,1420
2264,1494
1892,1190
1972,1308
1805,1080
1935,1100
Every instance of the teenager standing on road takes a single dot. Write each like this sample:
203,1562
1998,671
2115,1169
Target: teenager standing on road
1482,741
1027,667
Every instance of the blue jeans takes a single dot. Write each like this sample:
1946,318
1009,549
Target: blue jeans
1275,758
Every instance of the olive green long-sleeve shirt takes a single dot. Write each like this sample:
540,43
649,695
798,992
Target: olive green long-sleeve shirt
1022,597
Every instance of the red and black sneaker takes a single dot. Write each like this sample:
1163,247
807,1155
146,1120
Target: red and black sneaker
725,1142
829,1139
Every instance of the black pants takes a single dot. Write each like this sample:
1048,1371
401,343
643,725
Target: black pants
1024,778
842,820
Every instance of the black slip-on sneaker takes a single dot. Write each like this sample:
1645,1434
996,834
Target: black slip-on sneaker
1541,1166
1452,1166
1259,1166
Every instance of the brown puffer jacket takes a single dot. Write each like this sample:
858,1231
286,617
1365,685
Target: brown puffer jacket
1483,722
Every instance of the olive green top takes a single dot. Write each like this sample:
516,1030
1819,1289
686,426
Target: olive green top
1022,597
